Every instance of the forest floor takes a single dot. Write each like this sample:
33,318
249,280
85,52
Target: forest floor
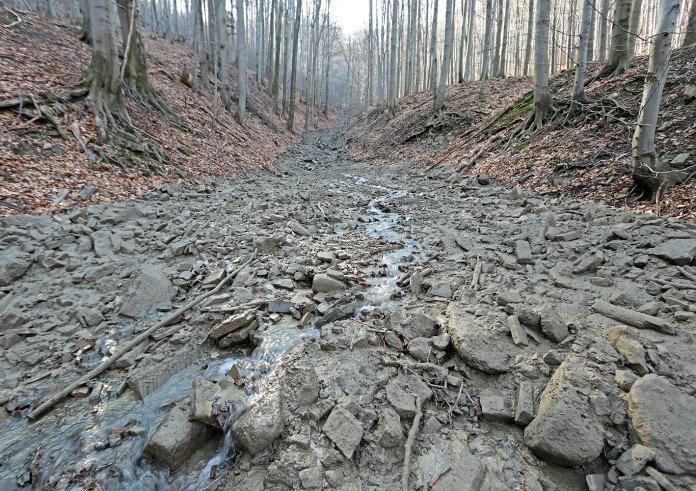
379,320
42,172
587,157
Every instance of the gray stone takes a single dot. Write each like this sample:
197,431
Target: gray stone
634,459
479,341
311,478
467,472
519,333
677,251
284,284
524,404
553,326
92,317
389,432
566,431
13,264
663,419
419,348
150,288
323,283
177,438
344,430
495,406
523,252
211,403
625,379
627,344
261,424
402,392
595,482
326,256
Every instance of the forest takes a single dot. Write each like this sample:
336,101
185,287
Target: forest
245,244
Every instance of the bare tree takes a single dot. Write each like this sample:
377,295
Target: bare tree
530,33
653,176
487,42
634,27
603,29
619,57
690,37
446,58
579,85
293,76
242,60
433,49
504,49
391,98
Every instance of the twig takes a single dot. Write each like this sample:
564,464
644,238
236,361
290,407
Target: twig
15,23
128,40
102,367
439,476
686,274
408,449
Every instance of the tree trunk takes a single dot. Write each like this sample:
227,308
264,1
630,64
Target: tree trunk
370,60
503,51
603,29
579,85
433,50
651,175
391,102
469,69
276,69
591,37
104,100
242,60
619,57
487,41
690,37
543,102
202,80
499,7
223,53
446,58
86,29
634,27
293,70
530,33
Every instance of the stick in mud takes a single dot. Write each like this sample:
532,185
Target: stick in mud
408,449
102,367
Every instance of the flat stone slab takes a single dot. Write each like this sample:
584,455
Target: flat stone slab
344,430
677,251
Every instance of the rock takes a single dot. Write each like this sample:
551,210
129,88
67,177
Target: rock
483,179
284,284
634,459
467,472
92,317
280,307
261,424
566,431
176,438
421,326
595,482
552,325
344,430
389,432
311,478
627,344
13,264
524,404
323,283
232,324
210,403
481,342
402,392
326,256
495,406
690,93
663,419
299,229
523,252
625,379
519,334
150,288
677,251
419,348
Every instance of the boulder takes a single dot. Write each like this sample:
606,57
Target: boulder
389,432
482,342
677,251
344,430
495,406
13,264
634,459
627,345
663,418
150,288
261,424
566,430
402,392
552,325
177,438
323,283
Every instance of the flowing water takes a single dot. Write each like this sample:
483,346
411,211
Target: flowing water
104,442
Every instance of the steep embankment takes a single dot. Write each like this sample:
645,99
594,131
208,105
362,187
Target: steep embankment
37,166
587,157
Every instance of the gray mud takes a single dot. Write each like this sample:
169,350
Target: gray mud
550,342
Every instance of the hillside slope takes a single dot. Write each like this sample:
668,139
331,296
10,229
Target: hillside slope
37,167
587,157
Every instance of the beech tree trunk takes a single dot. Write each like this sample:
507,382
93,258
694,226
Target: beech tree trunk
447,56
487,41
634,27
619,57
242,60
530,34
603,29
86,29
651,175
581,65
433,50
502,70
543,102
469,69
223,53
690,37
293,70
391,97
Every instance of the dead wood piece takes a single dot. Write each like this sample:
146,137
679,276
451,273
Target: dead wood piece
664,483
686,274
477,274
102,367
439,476
633,318
674,284
408,448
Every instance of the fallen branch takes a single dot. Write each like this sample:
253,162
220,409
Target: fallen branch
683,286
15,23
408,449
686,274
439,476
102,367
633,318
